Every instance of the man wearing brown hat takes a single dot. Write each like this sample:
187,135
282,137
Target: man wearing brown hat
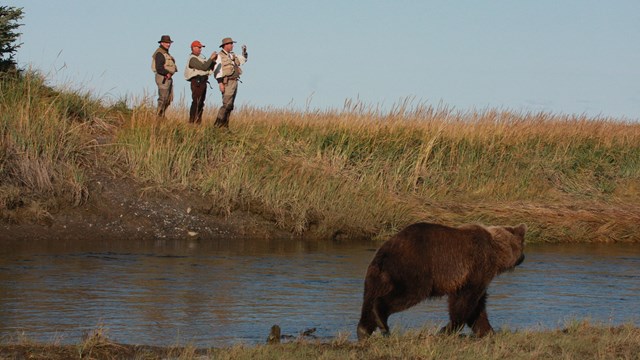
164,66
227,72
197,73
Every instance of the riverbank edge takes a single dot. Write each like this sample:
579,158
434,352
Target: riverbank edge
579,339
121,208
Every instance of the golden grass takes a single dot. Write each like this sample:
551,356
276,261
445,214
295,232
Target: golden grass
355,172
367,174
578,340
44,145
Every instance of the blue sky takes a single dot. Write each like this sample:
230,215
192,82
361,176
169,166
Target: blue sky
560,56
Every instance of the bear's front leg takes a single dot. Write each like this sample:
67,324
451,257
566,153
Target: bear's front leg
481,326
478,320
467,306
457,314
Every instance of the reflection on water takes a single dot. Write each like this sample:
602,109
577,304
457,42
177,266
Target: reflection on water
224,292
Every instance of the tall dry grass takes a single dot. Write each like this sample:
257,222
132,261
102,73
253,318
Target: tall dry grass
356,171
361,172
44,144
49,140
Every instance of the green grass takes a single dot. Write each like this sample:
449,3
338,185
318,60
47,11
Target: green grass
357,172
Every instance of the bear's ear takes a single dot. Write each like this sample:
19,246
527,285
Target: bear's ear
520,230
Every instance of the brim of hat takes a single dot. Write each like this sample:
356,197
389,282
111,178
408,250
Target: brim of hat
165,41
233,42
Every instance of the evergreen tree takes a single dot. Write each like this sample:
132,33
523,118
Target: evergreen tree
9,17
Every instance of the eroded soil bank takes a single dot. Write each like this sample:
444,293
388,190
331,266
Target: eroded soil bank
119,208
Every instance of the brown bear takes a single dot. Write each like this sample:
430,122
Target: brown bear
430,260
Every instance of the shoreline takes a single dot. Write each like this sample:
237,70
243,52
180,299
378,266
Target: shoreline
579,339
120,208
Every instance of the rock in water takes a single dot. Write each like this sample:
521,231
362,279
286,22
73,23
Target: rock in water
274,335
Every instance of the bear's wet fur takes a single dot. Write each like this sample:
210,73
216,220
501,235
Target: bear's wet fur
430,260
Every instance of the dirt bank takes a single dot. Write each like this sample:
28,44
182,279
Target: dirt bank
119,208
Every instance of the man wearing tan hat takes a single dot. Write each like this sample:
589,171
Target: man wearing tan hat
197,73
227,72
164,66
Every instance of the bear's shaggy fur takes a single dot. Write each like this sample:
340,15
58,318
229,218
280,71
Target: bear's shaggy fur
429,260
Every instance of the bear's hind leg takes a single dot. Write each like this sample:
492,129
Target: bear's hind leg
365,330
374,314
381,314
368,319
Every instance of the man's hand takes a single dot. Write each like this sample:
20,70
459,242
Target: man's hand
221,86
213,55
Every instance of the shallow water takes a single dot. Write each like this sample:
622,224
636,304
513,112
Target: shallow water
225,292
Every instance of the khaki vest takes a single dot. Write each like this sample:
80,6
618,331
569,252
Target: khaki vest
191,72
169,61
229,67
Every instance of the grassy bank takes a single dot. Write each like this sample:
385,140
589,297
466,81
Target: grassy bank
44,148
335,173
579,340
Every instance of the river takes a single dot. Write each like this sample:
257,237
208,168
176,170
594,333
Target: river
224,292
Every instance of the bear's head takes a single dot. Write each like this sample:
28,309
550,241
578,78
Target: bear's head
509,244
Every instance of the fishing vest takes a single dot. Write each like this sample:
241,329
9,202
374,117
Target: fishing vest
228,65
169,61
190,72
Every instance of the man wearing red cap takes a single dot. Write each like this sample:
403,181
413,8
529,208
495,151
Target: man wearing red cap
227,71
197,73
164,66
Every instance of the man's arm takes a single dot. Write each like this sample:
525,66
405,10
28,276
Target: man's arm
199,65
160,65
